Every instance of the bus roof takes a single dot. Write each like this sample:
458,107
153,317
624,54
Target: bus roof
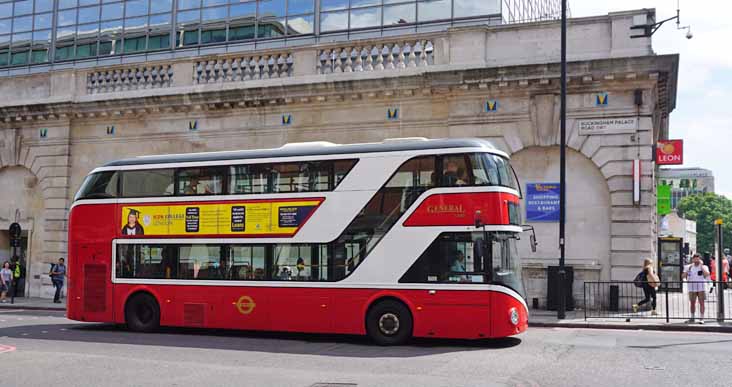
311,149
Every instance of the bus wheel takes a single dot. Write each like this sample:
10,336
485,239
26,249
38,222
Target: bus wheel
389,323
142,313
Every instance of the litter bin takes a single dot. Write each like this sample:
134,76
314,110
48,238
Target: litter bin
552,298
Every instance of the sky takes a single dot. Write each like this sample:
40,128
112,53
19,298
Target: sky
703,114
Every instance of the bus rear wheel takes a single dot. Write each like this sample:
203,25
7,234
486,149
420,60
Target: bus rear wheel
389,322
142,313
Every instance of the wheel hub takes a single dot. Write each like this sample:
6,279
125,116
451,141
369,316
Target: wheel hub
389,324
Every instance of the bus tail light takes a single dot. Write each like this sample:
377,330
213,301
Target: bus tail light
514,316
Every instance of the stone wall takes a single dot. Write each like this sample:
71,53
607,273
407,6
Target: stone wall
63,124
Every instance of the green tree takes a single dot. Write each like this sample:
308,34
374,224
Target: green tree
705,209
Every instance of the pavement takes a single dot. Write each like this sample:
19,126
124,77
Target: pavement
637,321
33,303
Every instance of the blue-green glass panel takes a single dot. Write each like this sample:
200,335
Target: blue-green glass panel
295,7
23,23
66,18
23,7
271,8
159,6
19,58
136,8
39,55
42,21
63,4
112,11
88,15
42,6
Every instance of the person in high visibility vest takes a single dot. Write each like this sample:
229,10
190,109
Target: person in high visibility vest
17,274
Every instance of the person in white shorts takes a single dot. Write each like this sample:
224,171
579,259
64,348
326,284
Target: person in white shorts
696,276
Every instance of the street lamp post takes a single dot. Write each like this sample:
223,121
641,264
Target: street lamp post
561,305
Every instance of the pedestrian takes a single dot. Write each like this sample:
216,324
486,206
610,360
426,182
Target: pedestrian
58,272
713,271
649,287
696,276
6,280
707,259
18,274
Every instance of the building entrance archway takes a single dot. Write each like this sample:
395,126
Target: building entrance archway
22,203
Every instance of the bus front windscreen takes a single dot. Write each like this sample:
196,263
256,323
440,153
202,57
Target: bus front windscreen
506,262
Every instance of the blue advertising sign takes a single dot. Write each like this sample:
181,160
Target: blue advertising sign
542,202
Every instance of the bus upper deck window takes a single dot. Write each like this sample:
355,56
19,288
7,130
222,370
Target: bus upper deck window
200,181
99,185
152,182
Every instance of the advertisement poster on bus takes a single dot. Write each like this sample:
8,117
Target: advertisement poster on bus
276,218
542,202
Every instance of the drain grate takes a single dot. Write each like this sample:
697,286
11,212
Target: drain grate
326,384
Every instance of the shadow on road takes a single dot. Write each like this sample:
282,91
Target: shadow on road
662,346
270,342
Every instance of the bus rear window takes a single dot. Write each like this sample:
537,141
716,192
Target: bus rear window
100,185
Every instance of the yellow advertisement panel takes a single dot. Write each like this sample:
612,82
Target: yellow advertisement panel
276,218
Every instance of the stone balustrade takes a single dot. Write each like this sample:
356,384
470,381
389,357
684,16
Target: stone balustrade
132,78
376,57
243,68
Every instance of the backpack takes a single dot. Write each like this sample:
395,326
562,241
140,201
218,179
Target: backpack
653,279
639,279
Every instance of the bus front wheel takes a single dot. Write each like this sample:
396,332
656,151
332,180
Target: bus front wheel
389,322
142,313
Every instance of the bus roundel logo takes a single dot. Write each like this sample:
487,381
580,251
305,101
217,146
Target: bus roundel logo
245,305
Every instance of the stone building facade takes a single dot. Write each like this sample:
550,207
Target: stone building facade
497,82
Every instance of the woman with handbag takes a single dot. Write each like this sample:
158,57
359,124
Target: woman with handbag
6,278
649,287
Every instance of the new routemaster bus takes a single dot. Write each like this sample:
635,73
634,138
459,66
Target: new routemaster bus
398,239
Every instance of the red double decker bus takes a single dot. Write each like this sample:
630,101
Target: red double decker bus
398,239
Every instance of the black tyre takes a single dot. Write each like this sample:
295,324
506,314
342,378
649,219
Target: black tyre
142,313
389,322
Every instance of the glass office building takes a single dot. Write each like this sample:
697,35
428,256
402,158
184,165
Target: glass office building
38,32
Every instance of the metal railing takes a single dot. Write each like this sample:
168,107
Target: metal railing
624,300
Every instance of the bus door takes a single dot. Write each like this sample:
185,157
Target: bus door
453,307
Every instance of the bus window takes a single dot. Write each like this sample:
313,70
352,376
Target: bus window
450,258
99,185
290,177
248,262
481,174
341,169
319,176
505,173
200,181
200,262
292,262
455,171
141,261
249,179
151,182
491,169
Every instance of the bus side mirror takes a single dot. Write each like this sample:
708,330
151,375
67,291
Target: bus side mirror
532,237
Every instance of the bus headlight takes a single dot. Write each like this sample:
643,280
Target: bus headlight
513,313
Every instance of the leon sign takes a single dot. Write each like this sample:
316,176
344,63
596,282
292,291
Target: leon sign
670,152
